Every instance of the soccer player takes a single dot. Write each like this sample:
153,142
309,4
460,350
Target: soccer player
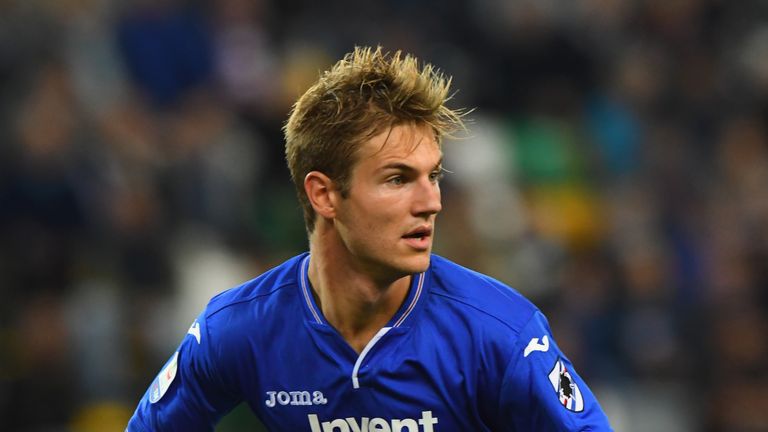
369,331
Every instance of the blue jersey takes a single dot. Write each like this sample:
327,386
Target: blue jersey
464,353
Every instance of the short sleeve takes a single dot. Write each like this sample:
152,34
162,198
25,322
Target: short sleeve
541,390
189,393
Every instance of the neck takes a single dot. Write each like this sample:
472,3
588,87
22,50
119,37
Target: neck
354,301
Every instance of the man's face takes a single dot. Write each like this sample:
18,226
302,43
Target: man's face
386,223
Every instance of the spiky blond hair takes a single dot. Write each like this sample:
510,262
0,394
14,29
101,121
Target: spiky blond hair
365,93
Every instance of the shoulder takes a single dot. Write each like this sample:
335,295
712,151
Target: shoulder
257,295
240,322
484,298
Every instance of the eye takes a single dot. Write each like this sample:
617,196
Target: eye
396,180
436,176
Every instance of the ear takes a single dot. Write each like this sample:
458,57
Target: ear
320,191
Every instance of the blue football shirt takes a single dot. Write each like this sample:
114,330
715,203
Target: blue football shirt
464,353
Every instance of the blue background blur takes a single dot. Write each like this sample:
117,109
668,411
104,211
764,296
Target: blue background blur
616,174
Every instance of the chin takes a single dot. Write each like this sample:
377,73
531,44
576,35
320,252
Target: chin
395,266
415,264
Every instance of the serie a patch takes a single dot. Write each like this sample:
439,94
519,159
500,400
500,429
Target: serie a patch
565,386
164,379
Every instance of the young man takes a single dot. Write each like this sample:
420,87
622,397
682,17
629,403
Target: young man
369,331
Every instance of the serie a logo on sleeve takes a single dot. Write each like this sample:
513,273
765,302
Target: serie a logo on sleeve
164,379
565,386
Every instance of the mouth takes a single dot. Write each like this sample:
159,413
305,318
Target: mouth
419,238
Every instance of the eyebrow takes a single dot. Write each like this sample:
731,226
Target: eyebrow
405,167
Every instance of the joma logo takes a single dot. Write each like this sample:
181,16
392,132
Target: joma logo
296,398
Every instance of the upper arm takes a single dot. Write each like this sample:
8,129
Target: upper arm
541,389
190,393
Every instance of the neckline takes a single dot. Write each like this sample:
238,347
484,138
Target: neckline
314,314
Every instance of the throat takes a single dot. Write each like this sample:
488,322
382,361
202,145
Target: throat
359,322
358,315
354,303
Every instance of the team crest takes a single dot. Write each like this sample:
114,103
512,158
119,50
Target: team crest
568,392
164,379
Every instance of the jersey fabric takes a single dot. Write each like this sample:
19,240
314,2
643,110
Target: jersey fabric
463,353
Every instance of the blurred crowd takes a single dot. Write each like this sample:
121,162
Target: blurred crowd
616,173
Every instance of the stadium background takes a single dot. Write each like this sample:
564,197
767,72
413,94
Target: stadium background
616,174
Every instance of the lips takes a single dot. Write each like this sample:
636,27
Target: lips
419,238
422,231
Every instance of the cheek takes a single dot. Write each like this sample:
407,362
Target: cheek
377,229
378,223
376,215
390,215
380,211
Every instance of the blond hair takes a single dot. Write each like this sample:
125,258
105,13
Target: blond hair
362,95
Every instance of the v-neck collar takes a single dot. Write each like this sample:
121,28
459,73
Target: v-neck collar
399,319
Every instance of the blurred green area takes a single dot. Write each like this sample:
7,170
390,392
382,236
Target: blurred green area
240,419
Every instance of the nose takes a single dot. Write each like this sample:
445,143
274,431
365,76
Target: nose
428,200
